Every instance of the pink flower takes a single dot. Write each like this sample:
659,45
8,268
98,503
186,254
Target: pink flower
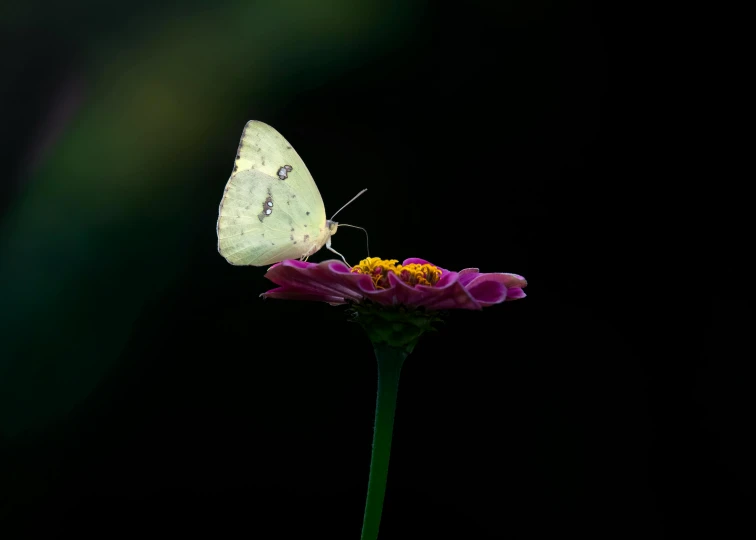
413,283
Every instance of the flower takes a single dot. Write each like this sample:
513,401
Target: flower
414,283
395,304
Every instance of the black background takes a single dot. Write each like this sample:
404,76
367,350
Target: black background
520,137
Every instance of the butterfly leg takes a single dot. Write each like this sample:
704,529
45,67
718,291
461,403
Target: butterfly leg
329,248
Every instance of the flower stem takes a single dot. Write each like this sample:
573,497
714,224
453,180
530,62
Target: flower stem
390,360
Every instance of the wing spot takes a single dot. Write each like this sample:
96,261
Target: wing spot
306,238
267,208
308,215
292,229
291,237
283,172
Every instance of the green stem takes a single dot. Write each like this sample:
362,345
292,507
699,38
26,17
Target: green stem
390,361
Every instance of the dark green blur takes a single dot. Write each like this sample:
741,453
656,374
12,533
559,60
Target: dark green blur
124,180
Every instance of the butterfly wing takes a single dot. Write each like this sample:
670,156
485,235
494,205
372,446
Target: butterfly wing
271,208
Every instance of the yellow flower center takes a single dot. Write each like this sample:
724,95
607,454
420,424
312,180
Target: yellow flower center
412,274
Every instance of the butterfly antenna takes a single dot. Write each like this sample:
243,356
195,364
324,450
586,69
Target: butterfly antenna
367,238
347,204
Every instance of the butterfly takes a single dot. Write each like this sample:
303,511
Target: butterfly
271,209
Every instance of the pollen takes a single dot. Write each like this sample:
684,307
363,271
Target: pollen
412,274
420,274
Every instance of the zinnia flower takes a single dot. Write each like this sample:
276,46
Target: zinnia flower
414,283
395,304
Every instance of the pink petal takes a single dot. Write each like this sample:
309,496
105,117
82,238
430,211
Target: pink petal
415,260
509,280
467,275
489,289
326,278
488,292
296,293
398,292
515,294
457,297
447,278
452,295
513,280
296,263
341,279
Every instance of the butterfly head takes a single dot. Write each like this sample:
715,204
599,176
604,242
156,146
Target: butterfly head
332,226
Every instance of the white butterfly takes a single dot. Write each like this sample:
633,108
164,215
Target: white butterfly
271,209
